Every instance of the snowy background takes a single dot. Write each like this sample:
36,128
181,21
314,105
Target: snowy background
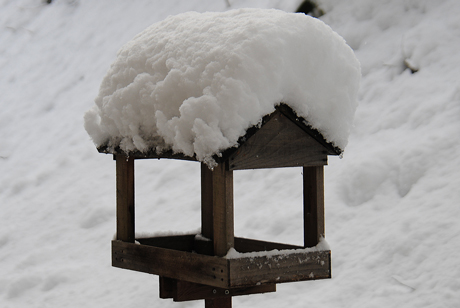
392,202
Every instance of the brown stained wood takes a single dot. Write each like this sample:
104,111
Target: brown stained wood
206,202
187,243
189,291
248,245
278,143
221,272
225,302
171,263
191,244
201,246
181,291
176,242
313,188
125,198
303,124
223,228
167,287
280,268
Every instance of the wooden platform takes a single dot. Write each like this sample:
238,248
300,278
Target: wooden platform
185,258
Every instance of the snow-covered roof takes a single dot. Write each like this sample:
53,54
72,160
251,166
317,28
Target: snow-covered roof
195,82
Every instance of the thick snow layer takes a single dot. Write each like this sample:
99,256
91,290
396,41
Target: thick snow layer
195,82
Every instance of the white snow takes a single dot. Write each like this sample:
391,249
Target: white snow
141,235
234,254
195,82
392,202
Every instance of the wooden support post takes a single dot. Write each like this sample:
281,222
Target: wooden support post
206,202
223,302
313,192
217,216
125,198
222,192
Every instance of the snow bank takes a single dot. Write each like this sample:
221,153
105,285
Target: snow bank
195,82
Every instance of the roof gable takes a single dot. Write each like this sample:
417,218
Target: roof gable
282,140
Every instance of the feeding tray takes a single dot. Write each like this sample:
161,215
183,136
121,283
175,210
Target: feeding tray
189,258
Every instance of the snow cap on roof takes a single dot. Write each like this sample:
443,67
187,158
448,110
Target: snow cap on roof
195,82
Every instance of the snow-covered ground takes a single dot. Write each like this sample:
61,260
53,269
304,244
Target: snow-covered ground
392,202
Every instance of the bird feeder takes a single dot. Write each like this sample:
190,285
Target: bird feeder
198,81
194,266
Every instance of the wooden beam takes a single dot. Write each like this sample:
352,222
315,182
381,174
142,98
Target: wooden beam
249,245
181,291
167,287
171,263
125,198
217,216
187,291
223,302
190,243
223,229
206,202
313,192
296,266
176,242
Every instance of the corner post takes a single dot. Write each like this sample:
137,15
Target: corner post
313,194
222,194
217,216
206,202
125,198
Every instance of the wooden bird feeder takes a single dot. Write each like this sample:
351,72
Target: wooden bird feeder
195,267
